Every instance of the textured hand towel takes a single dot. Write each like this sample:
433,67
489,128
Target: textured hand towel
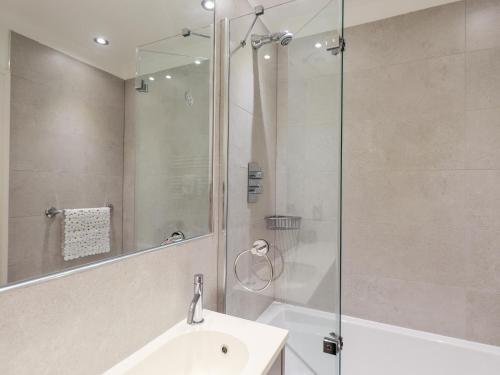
86,232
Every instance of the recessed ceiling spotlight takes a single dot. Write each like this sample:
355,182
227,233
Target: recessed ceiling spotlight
101,41
267,57
208,4
168,76
318,45
197,62
151,78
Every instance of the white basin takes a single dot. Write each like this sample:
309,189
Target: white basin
221,345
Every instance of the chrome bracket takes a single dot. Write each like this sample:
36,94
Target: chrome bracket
258,10
333,344
338,47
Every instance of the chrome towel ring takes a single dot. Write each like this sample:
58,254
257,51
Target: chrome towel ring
259,248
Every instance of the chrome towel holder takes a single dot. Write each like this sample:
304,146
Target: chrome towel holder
53,212
259,248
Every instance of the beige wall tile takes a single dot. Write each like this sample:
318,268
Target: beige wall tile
420,180
402,91
423,141
113,309
67,131
483,24
31,193
483,79
407,224
432,32
482,230
482,139
418,305
483,310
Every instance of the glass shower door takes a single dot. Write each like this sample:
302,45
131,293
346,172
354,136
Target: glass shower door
283,177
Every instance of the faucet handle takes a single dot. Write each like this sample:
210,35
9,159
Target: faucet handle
198,278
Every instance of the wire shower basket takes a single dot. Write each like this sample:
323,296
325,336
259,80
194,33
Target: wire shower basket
282,222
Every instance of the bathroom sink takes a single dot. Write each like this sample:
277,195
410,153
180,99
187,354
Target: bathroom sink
221,345
202,352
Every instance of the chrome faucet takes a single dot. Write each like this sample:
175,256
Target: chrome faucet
195,312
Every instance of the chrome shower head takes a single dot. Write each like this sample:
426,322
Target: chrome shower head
283,37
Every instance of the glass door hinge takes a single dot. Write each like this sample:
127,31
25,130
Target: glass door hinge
339,46
333,344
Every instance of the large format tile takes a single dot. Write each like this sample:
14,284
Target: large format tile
483,79
406,90
415,196
34,237
401,224
417,142
482,138
432,32
407,252
36,149
42,64
483,311
31,193
418,305
483,229
483,24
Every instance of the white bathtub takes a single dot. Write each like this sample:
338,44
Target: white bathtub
372,348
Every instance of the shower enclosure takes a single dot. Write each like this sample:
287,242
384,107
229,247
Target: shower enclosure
282,148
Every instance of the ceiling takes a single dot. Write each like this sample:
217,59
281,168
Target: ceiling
71,25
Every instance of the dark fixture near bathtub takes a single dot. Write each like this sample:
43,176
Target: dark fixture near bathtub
333,344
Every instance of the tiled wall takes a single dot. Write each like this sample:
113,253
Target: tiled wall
129,159
85,323
67,126
422,170
252,138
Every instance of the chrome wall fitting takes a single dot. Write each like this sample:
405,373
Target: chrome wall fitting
255,182
195,311
259,248
258,11
338,47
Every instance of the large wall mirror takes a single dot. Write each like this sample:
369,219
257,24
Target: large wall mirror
105,130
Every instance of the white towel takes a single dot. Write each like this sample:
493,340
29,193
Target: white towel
86,232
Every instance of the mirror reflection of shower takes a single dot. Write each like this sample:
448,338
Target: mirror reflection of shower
282,37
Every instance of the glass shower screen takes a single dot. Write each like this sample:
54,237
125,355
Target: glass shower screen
283,176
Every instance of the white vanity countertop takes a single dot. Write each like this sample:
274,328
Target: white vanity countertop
256,347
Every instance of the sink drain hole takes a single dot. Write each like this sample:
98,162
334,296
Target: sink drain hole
224,349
